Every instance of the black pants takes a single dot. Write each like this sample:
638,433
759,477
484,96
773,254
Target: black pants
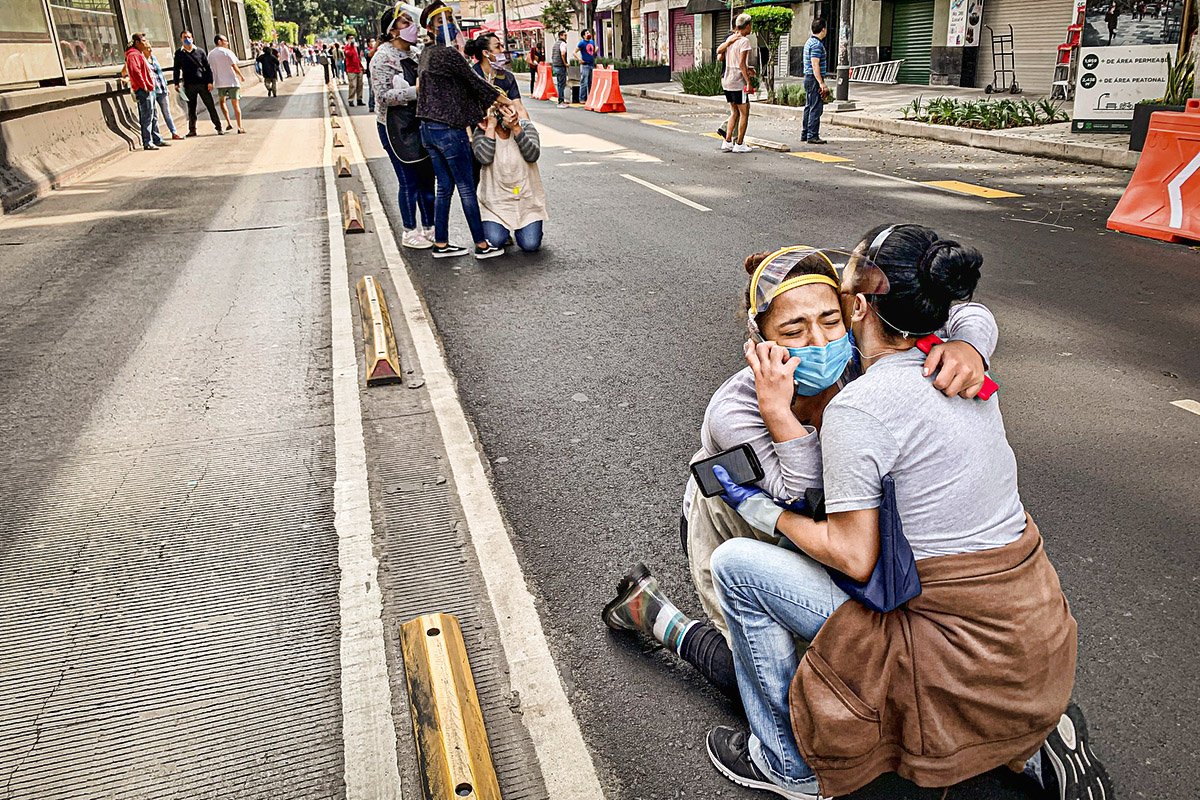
287,68
192,91
326,66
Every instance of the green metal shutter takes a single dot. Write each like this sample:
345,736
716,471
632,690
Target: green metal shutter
912,39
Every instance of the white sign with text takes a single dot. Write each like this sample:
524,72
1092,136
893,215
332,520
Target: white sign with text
966,18
1111,81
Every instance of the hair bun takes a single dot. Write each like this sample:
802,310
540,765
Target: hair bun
754,260
950,270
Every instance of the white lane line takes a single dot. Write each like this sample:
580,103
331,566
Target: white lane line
666,193
368,729
898,179
566,765
1187,405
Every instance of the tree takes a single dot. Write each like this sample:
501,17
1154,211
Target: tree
259,21
558,15
771,24
626,29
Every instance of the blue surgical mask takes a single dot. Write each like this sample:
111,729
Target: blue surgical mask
820,367
447,34
187,40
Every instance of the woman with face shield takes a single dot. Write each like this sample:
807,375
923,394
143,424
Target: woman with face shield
971,673
394,89
490,62
452,98
798,356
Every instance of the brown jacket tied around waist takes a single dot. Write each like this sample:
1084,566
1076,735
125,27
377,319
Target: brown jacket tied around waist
970,675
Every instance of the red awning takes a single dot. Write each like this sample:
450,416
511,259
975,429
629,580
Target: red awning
515,25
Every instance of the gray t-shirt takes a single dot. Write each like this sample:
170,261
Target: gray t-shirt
789,468
955,474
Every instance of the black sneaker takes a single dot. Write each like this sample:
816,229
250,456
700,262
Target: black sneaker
627,611
491,251
191,134
1070,770
729,751
448,251
817,140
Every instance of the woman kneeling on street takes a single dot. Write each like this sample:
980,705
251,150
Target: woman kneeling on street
975,669
799,357
511,196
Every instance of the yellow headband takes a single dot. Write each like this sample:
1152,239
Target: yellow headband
442,10
791,283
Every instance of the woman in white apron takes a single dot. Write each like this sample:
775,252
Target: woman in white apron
512,200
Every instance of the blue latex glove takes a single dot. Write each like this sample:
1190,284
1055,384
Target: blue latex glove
752,504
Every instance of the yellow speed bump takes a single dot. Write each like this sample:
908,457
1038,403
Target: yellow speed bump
352,214
452,744
337,140
343,167
379,342
972,189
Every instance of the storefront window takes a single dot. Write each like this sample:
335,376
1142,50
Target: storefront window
151,18
88,33
26,49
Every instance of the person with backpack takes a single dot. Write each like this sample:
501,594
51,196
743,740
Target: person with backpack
394,89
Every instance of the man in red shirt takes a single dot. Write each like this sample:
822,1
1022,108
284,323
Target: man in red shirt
354,72
142,84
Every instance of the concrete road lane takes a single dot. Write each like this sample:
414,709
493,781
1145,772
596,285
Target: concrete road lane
587,368
168,564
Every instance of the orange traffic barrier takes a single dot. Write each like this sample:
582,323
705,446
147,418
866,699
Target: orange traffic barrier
543,88
604,96
1162,200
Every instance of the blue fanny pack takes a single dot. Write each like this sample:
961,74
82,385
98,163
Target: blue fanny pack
894,581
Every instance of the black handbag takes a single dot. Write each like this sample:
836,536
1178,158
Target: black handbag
894,581
403,127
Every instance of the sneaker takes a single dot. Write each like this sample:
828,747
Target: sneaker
727,147
635,607
817,140
1074,771
149,147
729,751
416,240
449,251
177,136
191,134
428,233
161,144
220,132
742,148
491,251
228,127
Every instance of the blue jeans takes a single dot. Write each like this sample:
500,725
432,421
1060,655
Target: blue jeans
164,104
528,238
416,186
148,117
450,151
585,81
771,594
813,108
560,80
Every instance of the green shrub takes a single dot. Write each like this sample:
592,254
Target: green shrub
704,80
519,64
988,115
260,23
627,63
790,94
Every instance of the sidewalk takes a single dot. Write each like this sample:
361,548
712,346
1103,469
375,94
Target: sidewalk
879,109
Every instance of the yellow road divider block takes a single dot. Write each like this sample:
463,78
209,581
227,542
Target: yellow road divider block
972,189
343,167
662,123
337,140
824,158
452,745
379,341
333,122
352,214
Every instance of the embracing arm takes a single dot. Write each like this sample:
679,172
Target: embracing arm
961,362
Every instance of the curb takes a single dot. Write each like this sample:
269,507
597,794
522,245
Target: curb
988,140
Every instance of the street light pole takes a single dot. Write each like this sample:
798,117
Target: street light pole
845,37
504,26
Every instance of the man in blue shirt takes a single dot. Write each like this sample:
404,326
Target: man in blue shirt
587,62
816,63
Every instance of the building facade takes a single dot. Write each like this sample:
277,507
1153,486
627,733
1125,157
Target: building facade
58,42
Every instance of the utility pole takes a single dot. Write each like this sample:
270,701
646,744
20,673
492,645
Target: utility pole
845,38
504,27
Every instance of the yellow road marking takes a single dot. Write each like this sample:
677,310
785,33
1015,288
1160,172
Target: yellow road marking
662,123
1187,405
824,158
972,189
713,135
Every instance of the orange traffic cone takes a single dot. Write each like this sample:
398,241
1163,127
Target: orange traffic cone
544,89
1162,200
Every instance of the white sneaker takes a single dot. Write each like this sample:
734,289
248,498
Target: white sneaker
727,147
416,240
428,233
741,148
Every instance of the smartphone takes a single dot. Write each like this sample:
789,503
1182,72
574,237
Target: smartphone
740,462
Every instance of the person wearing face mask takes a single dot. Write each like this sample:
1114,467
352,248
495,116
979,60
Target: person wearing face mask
394,89
452,98
354,73
511,196
192,69
971,673
798,356
490,62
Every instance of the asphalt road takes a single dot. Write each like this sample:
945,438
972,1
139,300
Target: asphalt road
587,368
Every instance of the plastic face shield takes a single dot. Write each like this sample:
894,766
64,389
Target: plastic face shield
862,274
770,279
445,16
